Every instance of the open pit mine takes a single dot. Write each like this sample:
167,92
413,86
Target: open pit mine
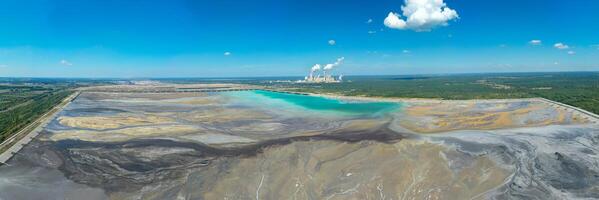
237,142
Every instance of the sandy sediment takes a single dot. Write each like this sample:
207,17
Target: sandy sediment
438,115
125,133
111,122
470,115
222,114
207,146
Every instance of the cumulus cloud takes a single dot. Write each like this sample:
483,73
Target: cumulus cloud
332,42
535,42
335,64
65,62
571,52
421,15
561,46
227,53
393,21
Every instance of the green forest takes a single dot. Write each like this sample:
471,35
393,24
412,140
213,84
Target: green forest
23,105
580,89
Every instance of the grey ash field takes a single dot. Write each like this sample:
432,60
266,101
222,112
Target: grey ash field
266,145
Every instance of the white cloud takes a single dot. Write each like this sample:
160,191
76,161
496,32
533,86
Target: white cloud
227,53
535,42
369,21
421,15
505,65
65,62
561,46
393,21
571,52
332,42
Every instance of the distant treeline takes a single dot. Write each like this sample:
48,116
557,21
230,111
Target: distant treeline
580,89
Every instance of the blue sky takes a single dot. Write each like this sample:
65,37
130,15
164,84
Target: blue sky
189,38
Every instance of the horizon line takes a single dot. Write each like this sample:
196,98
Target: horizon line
289,76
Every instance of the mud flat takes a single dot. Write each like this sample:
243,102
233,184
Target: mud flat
263,145
484,115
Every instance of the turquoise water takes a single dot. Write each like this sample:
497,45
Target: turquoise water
326,104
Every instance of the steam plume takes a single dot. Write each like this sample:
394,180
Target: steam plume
315,68
335,64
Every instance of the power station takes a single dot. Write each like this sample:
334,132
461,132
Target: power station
326,76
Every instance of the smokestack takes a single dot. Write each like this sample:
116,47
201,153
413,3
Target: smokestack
315,68
324,76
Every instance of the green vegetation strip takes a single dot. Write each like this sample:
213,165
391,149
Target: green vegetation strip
18,118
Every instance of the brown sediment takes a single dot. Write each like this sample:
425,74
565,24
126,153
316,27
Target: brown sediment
448,116
198,101
125,133
111,122
221,114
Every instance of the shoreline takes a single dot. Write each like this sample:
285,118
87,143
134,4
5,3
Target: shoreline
438,101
